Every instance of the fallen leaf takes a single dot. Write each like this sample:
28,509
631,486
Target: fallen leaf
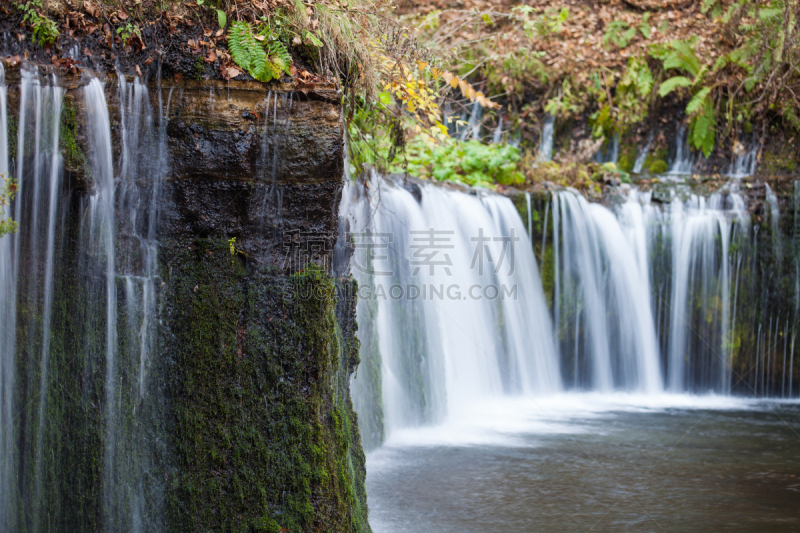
148,61
92,10
207,32
259,37
219,32
122,14
212,56
178,77
232,72
138,71
86,52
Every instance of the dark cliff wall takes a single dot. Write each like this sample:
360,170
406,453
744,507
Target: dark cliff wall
246,423
261,340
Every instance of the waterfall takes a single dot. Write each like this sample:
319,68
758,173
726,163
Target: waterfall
438,268
497,135
545,152
8,456
701,231
102,236
473,127
642,156
774,219
603,277
644,299
609,152
683,162
28,304
744,163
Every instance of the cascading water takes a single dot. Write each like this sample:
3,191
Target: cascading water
108,310
744,163
609,152
545,152
449,340
683,161
701,231
36,209
643,295
642,156
473,127
7,337
603,283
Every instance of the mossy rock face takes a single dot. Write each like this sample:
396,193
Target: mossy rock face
656,160
627,156
659,166
265,436
778,160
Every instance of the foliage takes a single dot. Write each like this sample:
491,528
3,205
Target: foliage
549,23
222,18
45,31
567,102
680,55
619,33
633,91
467,162
127,31
262,55
7,193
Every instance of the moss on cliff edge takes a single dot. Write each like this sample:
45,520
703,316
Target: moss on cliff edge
265,435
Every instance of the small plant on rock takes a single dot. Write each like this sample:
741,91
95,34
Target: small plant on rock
261,54
45,31
127,32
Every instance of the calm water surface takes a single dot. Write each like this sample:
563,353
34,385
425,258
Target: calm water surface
595,463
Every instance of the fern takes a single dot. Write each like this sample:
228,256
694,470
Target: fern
263,63
279,57
619,33
672,84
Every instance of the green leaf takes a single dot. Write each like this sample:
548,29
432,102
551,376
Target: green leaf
704,129
385,98
222,18
310,37
645,29
707,5
672,84
697,101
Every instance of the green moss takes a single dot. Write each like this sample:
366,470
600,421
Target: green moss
627,157
74,157
199,67
658,157
12,134
780,162
265,432
658,166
